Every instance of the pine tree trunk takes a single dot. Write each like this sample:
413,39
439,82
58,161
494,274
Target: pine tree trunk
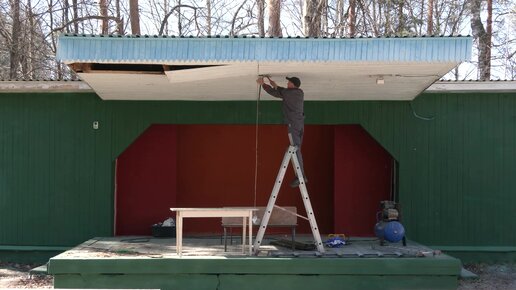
179,23
30,47
308,17
14,52
65,15
261,17
103,5
430,20
274,18
339,31
323,10
75,16
489,37
483,40
208,17
312,17
135,16
401,18
119,22
352,18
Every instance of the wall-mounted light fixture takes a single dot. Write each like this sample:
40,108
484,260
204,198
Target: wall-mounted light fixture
95,125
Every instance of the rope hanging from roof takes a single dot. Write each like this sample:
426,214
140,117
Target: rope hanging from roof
256,137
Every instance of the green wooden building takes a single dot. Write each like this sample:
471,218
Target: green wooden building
454,143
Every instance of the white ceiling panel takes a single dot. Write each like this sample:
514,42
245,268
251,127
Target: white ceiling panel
320,81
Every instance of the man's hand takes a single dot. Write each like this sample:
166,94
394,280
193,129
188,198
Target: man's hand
273,84
260,81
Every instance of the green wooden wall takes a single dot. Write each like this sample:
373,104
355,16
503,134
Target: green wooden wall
457,162
55,173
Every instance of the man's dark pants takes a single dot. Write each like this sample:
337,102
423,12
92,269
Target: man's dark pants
297,131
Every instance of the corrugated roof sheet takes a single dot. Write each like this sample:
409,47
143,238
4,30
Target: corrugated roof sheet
145,49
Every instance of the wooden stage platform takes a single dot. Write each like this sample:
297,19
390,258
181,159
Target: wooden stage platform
145,262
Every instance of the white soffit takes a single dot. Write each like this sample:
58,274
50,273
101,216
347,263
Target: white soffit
321,81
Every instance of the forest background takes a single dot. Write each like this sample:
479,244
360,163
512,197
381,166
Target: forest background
29,28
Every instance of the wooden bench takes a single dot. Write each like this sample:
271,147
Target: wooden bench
279,218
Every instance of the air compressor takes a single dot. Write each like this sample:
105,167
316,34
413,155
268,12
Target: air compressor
388,226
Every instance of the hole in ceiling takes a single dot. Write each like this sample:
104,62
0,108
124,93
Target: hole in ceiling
132,68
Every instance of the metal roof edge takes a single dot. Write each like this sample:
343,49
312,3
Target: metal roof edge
23,86
472,86
146,49
67,35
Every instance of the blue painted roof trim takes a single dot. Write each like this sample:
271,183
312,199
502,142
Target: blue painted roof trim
100,49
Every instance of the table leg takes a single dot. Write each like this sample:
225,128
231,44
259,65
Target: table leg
225,239
244,228
250,219
179,233
293,238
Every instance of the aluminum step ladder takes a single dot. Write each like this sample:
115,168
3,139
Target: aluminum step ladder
290,155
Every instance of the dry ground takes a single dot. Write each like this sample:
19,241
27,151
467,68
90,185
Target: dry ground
14,275
491,277
496,276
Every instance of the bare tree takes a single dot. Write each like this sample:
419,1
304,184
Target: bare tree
261,17
401,18
483,40
76,15
179,25
134,16
28,57
274,18
313,11
310,23
40,23
352,17
174,9
208,17
489,31
65,14
103,7
15,40
324,18
241,22
430,19
339,18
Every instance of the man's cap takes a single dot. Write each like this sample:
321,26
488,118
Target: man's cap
296,81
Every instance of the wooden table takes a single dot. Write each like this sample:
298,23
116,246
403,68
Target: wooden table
245,213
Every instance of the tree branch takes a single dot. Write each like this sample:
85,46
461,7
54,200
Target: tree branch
511,55
164,22
76,20
232,31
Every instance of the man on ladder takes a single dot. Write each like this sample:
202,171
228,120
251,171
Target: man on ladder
293,113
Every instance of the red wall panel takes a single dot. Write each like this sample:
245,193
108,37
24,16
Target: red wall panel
216,167
362,179
146,181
